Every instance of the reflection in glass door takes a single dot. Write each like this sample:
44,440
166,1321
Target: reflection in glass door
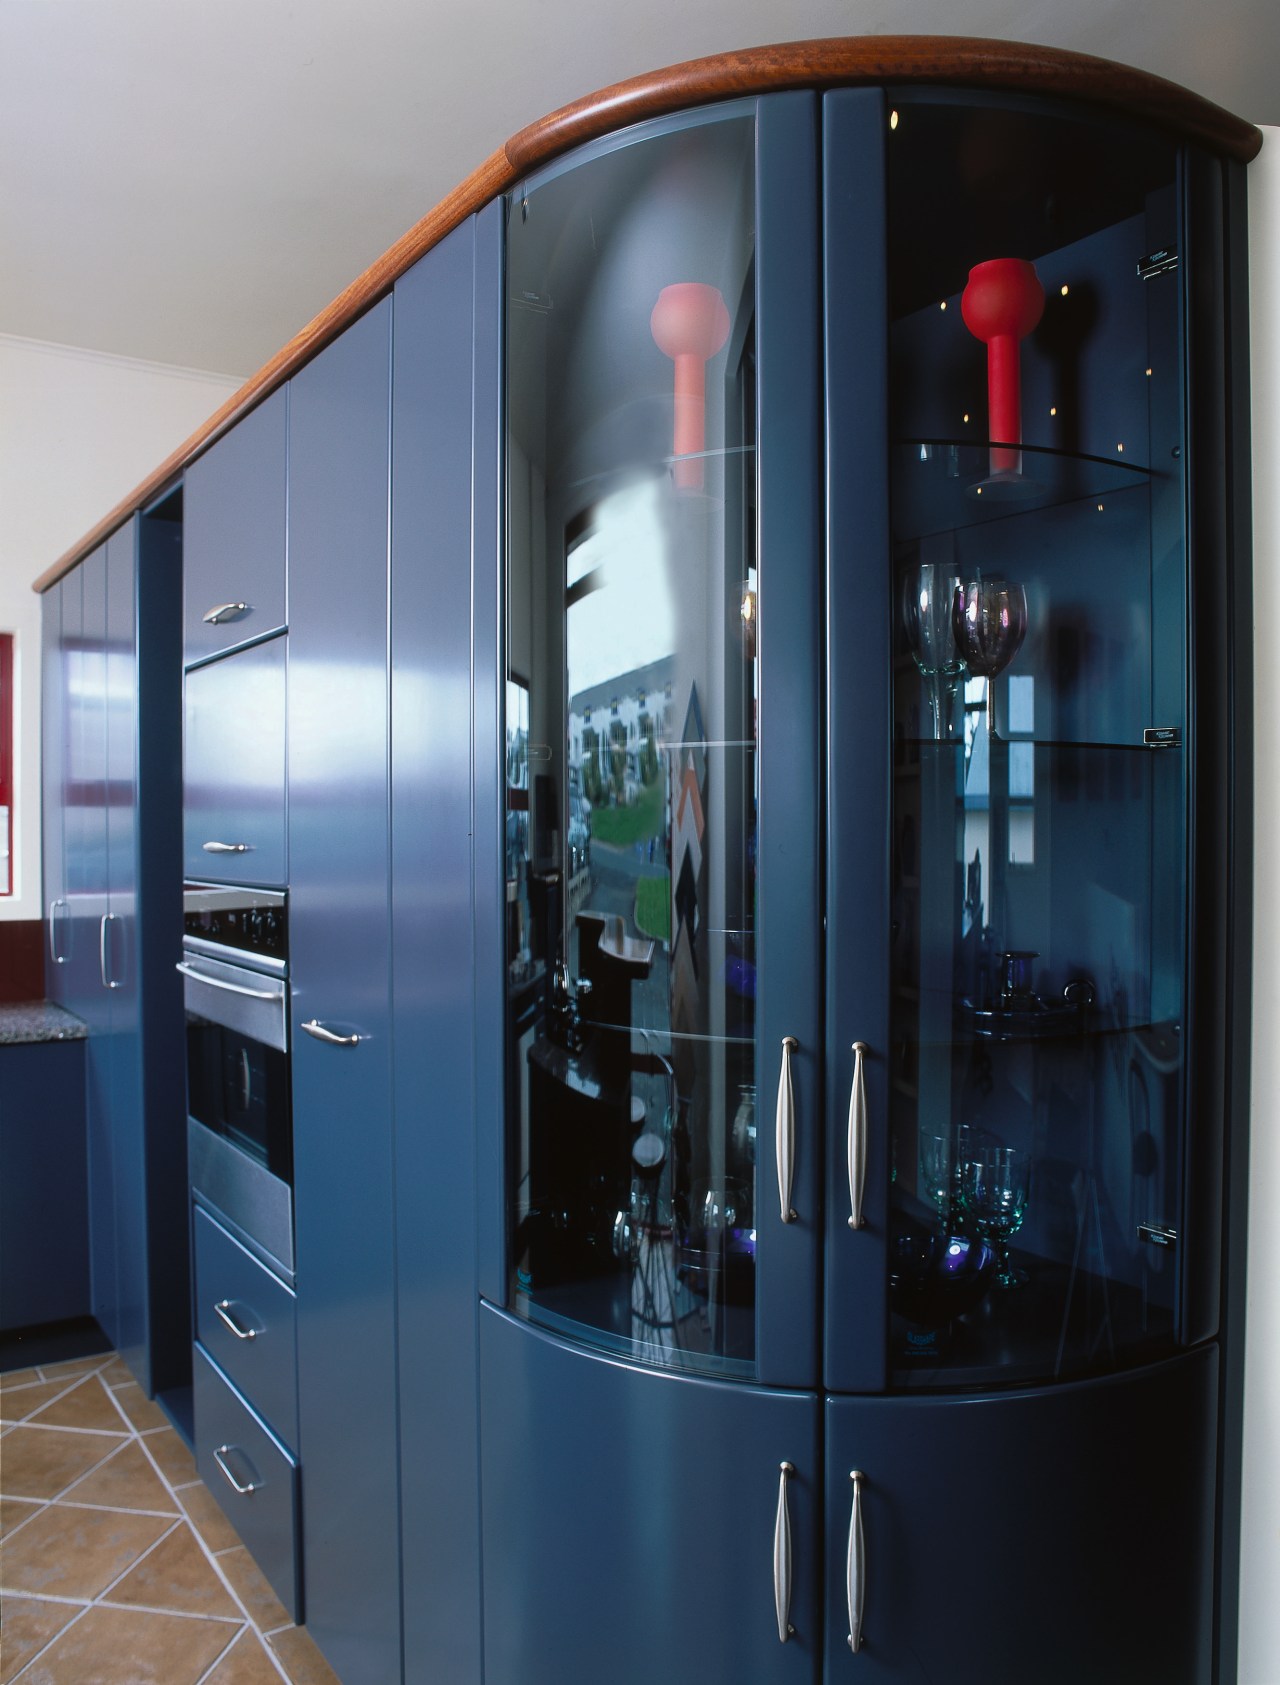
630,746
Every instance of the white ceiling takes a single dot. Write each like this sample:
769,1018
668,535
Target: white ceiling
189,181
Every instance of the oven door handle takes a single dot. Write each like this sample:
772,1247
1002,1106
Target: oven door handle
231,988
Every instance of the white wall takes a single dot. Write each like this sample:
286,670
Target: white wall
1260,1521
78,431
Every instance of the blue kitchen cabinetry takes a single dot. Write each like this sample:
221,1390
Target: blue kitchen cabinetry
340,1031
54,722
853,900
233,562
44,1214
112,795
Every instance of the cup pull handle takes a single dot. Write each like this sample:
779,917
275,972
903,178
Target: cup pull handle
782,1556
857,1147
786,1130
855,1568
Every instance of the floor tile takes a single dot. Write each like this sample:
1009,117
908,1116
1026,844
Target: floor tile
127,1480
205,1515
246,1663
126,1647
263,1606
28,1624
177,1464
301,1660
17,1378
87,1405
68,1552
14,1511
41,1462
16,1403
76,1366
143,1413
116,1373
178,1577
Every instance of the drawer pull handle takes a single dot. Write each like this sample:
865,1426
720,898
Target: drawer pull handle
253,1485
785,1130
108,981
226,848
55,953
782,1557
225,1314
855,1567
224,611
857,1144
231,988
315,1028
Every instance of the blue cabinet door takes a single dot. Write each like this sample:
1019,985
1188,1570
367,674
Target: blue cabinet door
446,335
344,1187
1055,1535
52,760
234,534
630,1521
233,807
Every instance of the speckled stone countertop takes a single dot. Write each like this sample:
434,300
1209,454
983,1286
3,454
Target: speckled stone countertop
38,1020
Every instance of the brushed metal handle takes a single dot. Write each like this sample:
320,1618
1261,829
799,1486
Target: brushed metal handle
857,1146
315,1028
224,611
103,922
785,1131
242,1330
54,955
246,1080
231,988
226,848
782,1556
220,1457
855,1566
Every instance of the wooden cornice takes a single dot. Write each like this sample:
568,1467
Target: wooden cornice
839,62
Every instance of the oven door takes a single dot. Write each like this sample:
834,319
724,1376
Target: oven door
238,1098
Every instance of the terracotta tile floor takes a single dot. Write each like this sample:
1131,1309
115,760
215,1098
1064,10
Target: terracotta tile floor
116,1565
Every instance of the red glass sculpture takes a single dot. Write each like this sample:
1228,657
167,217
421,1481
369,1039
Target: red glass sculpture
1001,305
690,324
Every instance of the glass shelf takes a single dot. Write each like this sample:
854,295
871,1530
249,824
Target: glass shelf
943,485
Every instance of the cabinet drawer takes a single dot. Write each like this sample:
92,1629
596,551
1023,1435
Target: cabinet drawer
233,562
234,1292
252,1476
233,811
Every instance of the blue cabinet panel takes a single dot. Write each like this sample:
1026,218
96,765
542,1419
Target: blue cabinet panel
1055,1535
52,761
629,1520
344,1182
234,533
233,815
44,1216
431,526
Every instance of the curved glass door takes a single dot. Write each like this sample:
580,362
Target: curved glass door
1039,859
630,731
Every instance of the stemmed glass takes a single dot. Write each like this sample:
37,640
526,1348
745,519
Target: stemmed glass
993,1190
927,611
989,622
935,1174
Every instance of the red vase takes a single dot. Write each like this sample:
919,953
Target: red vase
1001,305
690,324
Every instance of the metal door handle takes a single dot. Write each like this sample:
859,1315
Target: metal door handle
226,848
220,1457
786,1130
241,1330
858,1134
231,988
224,611
855,1567
106,919
54,955
246,1080
782,1556
313,1027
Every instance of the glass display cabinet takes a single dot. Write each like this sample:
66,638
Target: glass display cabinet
864,635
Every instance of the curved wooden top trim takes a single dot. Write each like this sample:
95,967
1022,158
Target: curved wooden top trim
969,61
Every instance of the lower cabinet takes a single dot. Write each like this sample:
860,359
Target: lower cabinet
246,1401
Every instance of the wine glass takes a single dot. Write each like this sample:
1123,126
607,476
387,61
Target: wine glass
927,598
993,1188
935,1173
989,622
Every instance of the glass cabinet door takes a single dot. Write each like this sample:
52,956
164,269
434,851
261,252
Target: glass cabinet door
632,781
1039,754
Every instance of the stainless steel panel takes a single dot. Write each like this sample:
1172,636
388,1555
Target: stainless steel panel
255,1201
252,1002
